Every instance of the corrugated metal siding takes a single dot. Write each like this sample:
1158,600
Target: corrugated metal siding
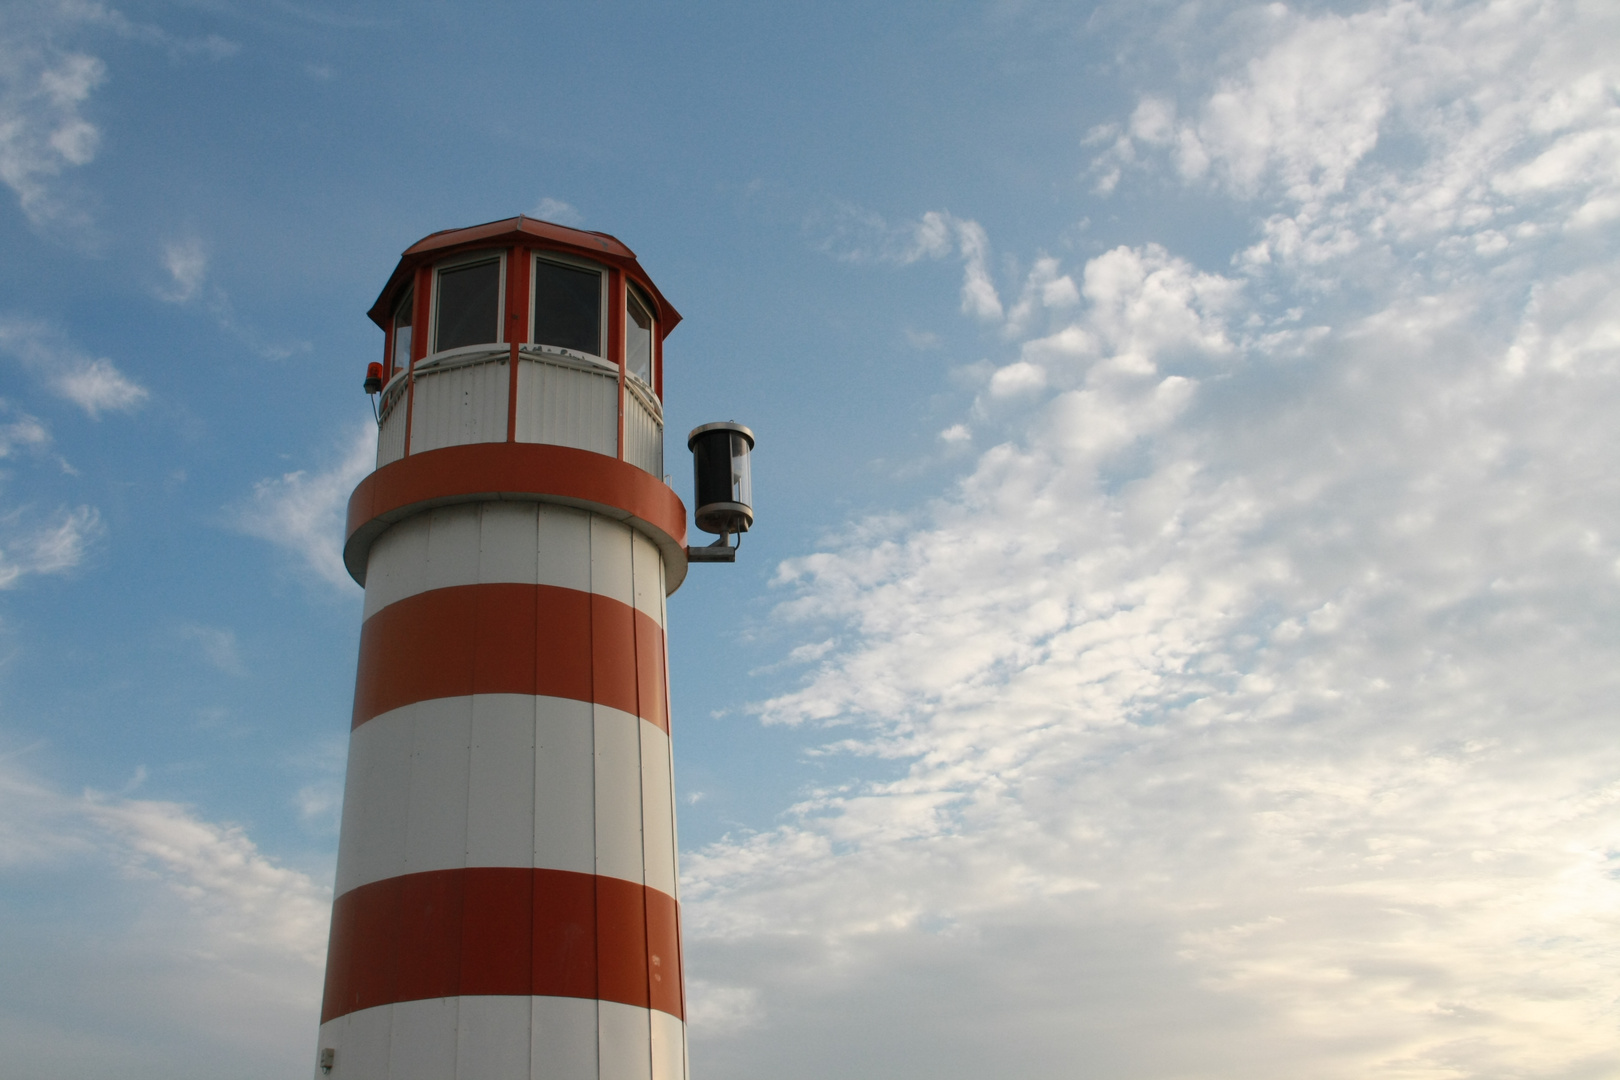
391,435
567,406
458,405
560,401
643,432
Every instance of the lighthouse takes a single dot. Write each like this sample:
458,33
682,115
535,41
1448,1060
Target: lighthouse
506,902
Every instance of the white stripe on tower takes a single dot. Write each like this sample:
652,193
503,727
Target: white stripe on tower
592,782
524,543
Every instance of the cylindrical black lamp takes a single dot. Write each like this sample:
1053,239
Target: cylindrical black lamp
722,482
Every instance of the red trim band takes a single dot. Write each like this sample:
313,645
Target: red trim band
503,930
534,472
507,638
521,231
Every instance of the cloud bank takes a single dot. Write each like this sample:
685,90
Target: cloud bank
1248,704
165,921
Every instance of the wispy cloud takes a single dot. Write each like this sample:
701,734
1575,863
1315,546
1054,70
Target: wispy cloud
245,898
217,645
853,234
187,264
22,433
43,129
46,87
60,542
215,870
320,802
302,512
97,386
93,383
1258,672
555,210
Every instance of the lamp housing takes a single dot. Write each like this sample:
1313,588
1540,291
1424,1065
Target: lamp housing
722,479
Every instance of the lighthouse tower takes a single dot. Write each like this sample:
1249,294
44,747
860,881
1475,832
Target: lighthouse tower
506,901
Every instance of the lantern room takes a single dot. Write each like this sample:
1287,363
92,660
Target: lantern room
522,331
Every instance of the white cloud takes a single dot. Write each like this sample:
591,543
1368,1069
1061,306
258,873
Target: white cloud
32,827
723,1010
1018,377
979,297
1147,304
243,897
93,383
217,645
187,264
53,546
24,433
555,210
186,261
209,47
320,802
1249,701
177,923
304,512
1511,117
97,386
42,128
861,236
45,92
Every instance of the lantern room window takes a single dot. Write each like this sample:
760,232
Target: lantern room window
567,306
469,304
638,336
401,357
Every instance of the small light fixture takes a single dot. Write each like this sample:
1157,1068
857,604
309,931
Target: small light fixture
328,1059
723,487
374,385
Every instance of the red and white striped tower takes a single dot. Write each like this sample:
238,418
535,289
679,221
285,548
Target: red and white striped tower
506,901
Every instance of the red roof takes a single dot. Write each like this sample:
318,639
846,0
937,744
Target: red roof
530,232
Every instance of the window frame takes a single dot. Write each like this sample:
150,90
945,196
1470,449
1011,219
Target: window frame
633,292
457,262
604,300
407,299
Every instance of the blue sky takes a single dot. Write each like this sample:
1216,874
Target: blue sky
1179,637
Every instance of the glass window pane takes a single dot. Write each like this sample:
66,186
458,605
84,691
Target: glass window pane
469,305
638,331
742,478
567,307
402,332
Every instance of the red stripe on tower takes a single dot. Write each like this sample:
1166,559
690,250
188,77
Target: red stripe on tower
501,930
511,639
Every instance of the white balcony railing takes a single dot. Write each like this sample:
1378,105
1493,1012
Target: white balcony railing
643,427
567,400
563,398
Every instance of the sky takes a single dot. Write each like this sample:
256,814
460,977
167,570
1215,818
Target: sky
1178,639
